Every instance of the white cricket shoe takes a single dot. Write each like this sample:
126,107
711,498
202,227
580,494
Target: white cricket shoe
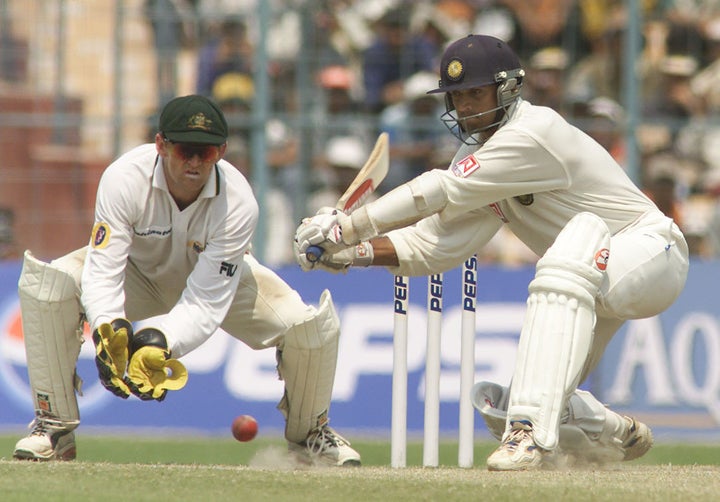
518,451
324,446
638,439
49,440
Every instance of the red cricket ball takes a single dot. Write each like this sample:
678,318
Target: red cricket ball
244,428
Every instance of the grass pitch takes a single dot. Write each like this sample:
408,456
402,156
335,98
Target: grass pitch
209,469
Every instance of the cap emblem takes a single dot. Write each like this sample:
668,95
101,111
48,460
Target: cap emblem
199,121
455,69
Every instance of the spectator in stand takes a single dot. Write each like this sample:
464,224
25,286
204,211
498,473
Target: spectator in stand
234,94
228,52
8,249
496,19
704,84
660,184
541,24
674,103
700,139
604,120
173,28
689,20
338,105
600,72
548,67
278,211
416,135
675,186
394,55
443,21
710,246
674,99
342,158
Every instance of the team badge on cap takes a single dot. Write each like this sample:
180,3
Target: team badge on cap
455,69
199,121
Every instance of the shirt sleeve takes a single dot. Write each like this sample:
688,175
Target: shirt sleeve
434,245
103,295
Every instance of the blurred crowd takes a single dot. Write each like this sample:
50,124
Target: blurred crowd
368,64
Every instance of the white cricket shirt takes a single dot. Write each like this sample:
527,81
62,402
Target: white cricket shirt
186,259
533,175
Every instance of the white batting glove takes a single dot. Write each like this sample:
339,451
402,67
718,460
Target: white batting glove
322,230
360,255
326,210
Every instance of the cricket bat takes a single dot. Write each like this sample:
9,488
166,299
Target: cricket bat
365,183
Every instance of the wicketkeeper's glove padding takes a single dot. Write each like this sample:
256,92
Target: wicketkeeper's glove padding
151,372
111,355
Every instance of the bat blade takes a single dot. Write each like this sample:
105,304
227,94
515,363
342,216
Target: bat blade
359,196
365,183
368,178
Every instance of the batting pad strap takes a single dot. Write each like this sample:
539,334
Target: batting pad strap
307,364
52,330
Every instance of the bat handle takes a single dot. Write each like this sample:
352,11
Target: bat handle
313,253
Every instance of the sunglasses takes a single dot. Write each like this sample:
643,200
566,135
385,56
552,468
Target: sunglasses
188,151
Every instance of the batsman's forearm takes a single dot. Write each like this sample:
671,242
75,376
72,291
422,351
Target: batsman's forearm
384,254
399,208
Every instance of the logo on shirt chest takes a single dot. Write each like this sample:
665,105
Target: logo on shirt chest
196,246
526,199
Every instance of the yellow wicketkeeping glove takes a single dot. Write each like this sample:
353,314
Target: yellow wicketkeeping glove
151,372
111,355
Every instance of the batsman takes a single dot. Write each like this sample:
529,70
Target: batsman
606,253
168,263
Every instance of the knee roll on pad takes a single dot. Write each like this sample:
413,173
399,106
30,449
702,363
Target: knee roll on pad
52,330
307,365
556,336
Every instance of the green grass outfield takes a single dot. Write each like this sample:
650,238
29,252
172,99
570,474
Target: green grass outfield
217,469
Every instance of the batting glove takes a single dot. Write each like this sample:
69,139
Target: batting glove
111,355
324,230
151,372
360,255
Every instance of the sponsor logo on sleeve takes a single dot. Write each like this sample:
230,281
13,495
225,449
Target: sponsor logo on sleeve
100,235
601,258
228,268
465,167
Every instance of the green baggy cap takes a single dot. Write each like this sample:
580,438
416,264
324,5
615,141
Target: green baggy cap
193,119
